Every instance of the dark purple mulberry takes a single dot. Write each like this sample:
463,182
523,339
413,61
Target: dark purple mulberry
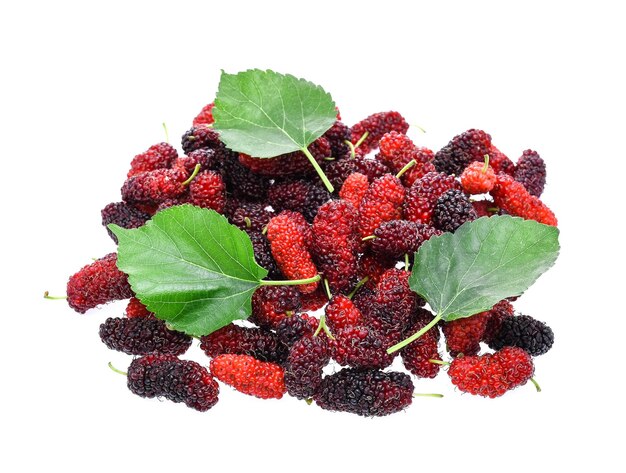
452,210
337,135
531,172
200,137
263,254
299,196
307,358
365,392
142,336
471,145
291,329
524,332
124,215
177,380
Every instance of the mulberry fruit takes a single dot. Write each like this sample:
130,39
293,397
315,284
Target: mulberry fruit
142,336
416,356
522,331
250,376
531,172
251,217
289,235
314,300
290,164
452,210
176,380
500,162
154,187
291,329
397,150
363,347
423,194
307,358
469,146
492,375
270,305
478,178
263,254
365,392
337,135
464,335
205,117
97,283
207,158
382,202
240,181
235,340
123,215
396,303
207,190
200,137
485,208
376,126
354,188
497,314
299,196
159,156
334,244
342,313
396,238
513,197
136,309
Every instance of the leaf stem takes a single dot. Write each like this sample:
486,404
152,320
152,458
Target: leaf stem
362,139
291,282
195,172
358,286
116,370
318,169
46,295
415,336
427,395
167,135
406,167
536,384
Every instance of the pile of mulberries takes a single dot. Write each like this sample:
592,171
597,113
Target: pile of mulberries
326,342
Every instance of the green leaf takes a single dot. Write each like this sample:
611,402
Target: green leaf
466,272
191,268
266,114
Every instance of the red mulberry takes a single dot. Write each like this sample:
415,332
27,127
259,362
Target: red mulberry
382,202
478,178
250,376
423,194
270,305
469,146
376,126
397,150
235,340
205,117
513,197
97,283
159,156
307,358
207,190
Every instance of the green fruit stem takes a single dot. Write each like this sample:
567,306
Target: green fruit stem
427,395
167,135
362,139
486,166
358,286
537,387
116,370
327,289
439,362
352,148
406,167
322,326
195,172
367,238
46,295
415,336
406,262
291,282
318,169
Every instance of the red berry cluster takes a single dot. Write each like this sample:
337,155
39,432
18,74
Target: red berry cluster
360,240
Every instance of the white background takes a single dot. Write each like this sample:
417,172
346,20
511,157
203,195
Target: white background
85,87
